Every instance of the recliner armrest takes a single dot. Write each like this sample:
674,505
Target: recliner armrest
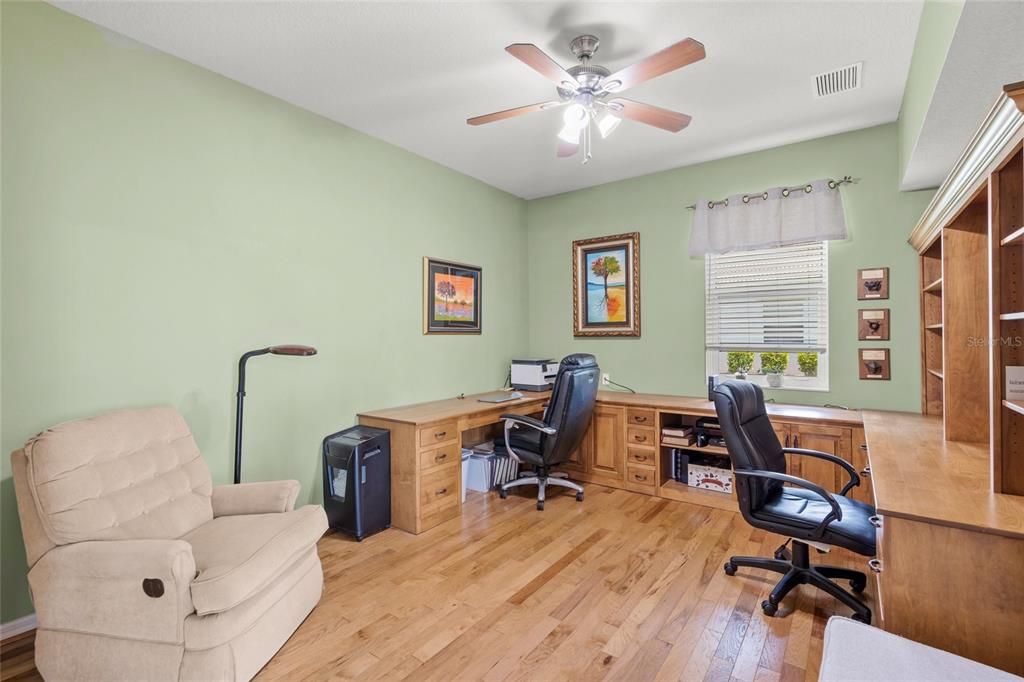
265,497
836,514
134,589
854,476
532,422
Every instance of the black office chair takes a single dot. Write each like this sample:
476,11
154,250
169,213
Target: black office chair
550,440
807,513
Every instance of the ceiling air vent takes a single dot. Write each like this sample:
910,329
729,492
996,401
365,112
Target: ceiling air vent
838,80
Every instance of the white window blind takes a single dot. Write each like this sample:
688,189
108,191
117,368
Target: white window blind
772,299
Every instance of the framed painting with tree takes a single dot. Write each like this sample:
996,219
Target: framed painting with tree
451,297
606,286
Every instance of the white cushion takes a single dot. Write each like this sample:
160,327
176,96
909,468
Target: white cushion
855,652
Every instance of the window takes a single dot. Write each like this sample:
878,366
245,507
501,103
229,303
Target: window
766,312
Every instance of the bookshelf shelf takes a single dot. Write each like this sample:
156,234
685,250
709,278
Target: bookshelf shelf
934,327
1010,317
934,288
709,498
1015,238
935,373
1015,405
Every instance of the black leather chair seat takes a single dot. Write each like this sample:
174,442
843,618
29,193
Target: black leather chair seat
793,508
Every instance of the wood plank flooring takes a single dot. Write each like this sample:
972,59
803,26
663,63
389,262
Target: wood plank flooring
621,587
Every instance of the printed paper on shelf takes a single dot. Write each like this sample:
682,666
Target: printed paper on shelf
1014,382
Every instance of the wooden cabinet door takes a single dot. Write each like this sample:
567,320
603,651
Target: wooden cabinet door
579,460
830,439
783,433
608,447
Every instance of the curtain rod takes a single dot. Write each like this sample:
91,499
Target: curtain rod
832,184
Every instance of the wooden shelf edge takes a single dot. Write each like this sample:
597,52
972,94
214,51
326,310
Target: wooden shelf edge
1016,237
1015,405
935,373
934,288
674,490
934,327
1008,317
711,449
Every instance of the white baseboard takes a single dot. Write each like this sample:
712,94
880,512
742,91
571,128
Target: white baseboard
17,626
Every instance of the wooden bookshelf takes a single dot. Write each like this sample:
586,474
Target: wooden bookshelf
931,319
1007,319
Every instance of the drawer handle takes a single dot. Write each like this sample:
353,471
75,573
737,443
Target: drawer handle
639,477
440,434
442,491
442,457
875,565
640,419
640,458
875,521
866,472
864,447
638,438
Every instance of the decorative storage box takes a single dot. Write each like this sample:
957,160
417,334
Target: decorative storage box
709,477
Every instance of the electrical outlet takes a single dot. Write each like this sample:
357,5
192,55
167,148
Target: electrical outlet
606,379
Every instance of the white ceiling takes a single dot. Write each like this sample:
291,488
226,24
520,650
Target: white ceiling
411,73
987,52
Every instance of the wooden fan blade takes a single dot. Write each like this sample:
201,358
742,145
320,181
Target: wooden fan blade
671,58
509,113
567,149
671,121
536,59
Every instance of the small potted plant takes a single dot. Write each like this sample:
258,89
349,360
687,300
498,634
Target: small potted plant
740,363
808,362
773,365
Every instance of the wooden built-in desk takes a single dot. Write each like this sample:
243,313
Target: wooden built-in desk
950,551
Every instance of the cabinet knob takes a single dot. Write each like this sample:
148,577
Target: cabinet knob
640,419
442,457
863,446
875,565
440,434
875,520
638,438
442,491
866,472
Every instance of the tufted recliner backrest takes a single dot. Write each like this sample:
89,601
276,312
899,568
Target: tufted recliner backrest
133,474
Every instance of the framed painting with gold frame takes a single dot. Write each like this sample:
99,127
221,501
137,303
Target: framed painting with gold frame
606,286
452,302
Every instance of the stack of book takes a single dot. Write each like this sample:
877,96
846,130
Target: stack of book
677,436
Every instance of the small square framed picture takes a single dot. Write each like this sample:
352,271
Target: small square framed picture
872,283
874,363
873,324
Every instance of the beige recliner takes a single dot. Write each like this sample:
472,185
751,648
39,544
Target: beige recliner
141,569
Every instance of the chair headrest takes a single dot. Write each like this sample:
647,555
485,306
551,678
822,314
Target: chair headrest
746,396
577,360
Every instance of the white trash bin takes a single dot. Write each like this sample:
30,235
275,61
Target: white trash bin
465,472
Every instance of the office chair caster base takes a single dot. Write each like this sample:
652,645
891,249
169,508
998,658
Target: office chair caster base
503,493
730,568
579,497
540,506
769,608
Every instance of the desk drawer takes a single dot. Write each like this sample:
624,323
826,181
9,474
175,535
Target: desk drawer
436,457
639,417
439,488
640,479
437,434
640,457
640,436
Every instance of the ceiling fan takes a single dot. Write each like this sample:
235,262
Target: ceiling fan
590,92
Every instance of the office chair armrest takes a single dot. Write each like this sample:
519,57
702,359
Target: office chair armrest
835,515
514,420
532,422
854,477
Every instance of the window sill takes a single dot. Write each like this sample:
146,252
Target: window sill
789,383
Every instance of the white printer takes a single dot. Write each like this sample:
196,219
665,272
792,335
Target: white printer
533,374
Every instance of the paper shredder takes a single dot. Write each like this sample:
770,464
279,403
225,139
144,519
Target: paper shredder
357,480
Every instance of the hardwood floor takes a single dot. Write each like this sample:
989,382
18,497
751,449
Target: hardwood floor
621,587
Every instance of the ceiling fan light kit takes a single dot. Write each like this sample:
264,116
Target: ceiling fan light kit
586,89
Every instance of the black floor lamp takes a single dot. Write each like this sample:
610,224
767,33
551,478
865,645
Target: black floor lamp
301,351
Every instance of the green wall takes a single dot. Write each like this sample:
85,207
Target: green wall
939,19
163,219
669,356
